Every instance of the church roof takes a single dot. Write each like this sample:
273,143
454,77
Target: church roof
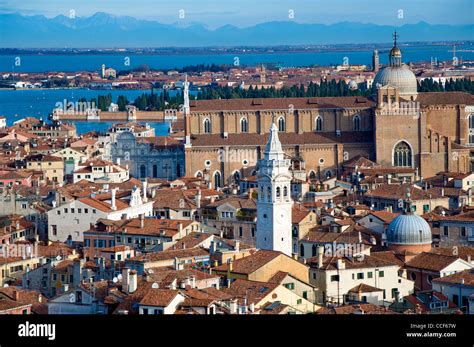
280,103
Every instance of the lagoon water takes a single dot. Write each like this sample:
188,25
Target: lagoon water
38,103
82,62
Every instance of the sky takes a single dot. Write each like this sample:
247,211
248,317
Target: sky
243,13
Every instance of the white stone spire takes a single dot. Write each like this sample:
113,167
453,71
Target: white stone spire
274,202
273,149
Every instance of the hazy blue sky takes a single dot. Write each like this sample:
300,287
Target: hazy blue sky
248,12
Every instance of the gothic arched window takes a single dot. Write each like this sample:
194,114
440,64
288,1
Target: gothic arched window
281,124
319,123
236,177
285,191
302,250
207,126
402,155
269,194
244,125
217,179
312,175
356,122
278,192
313,250
155,170
142,171
471,129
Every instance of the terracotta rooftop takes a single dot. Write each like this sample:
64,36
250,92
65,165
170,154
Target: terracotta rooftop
251,263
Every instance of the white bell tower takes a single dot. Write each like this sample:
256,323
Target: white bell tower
274,198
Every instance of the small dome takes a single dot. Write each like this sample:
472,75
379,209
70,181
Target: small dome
400,77
409,229
395,52
353,85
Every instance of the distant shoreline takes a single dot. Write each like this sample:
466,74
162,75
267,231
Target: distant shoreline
216,50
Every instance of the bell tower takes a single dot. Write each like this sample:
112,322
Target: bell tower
274,198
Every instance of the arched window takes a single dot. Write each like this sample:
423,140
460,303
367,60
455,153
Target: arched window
471,129
328,174
319,123
155,170
244,125
402,155
142,171
269,194
313,250
217,179
261,194
312,175
356,122
236,177
281,124
198,174
285,191
207,126
278,192
302,250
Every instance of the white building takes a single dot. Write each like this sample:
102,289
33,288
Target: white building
378,281
69,221
274,198
101,171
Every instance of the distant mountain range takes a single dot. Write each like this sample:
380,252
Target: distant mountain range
105,30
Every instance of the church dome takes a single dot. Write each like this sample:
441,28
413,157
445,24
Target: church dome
408,229
400,77
396,74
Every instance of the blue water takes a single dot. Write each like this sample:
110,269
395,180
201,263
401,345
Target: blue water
41,63
18,104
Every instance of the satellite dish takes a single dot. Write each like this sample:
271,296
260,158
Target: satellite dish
119,276
58,257
155,285
151,271
115,280
5,285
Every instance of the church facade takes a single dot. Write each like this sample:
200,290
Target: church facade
396,126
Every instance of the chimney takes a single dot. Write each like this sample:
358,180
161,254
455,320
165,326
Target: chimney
469,260
132,286
231,265
360,237
118,161
340,264
125,279
142,220
233,306
252,307
16,295
320,256
442,191
197,199
237,246
145,185
113,206
76,272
